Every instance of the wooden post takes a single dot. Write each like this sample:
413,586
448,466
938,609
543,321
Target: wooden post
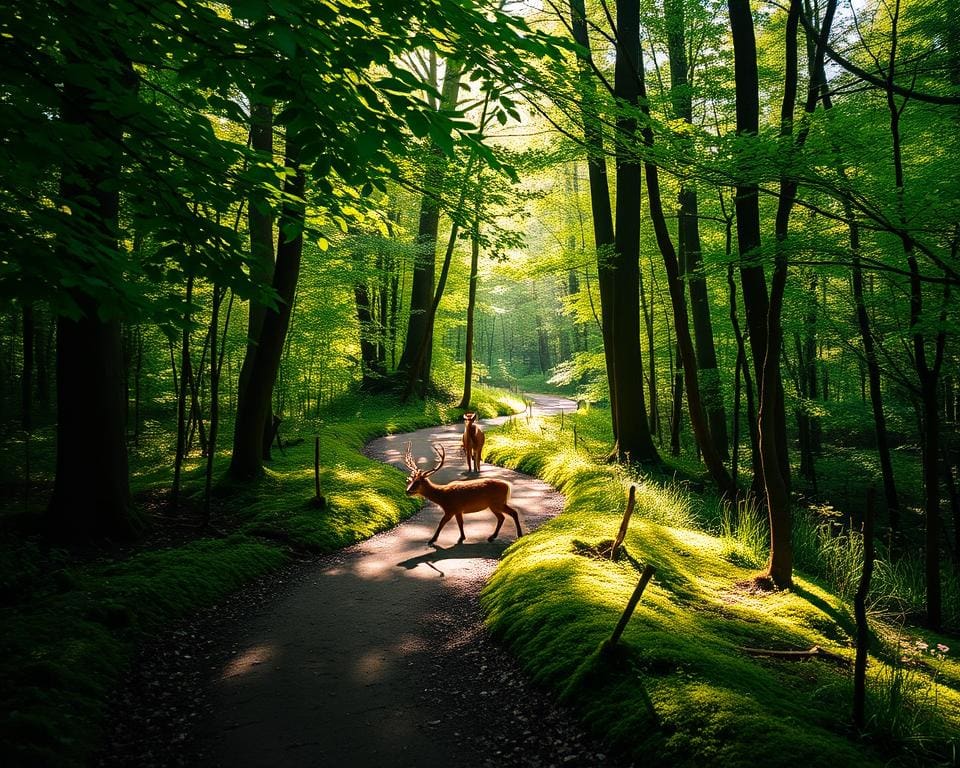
561,420
645,577
860,612
631,502
574,436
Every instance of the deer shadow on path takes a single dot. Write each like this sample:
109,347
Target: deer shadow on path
483,550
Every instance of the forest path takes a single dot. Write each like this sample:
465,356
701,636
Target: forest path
377,656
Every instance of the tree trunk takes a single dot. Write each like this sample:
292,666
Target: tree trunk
416,345
91,494
603,234
690,251
185,376
26,377
633,431
254,406
370,368
747,205
471,310
711,456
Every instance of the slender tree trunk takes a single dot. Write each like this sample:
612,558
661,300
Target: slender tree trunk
681,323
471,310
690,251
603,233
417,346
371,371
254,407
756,300
185,376
215,367
260,224
26,376
633,431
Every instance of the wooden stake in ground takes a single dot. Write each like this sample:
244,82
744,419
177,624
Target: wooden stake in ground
860,612
648,571
631,501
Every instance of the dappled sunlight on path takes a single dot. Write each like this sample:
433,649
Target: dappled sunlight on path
332,673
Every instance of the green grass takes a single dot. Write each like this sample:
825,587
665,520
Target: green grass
72,619
680,690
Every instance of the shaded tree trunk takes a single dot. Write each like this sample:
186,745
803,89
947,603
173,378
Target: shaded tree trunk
91,494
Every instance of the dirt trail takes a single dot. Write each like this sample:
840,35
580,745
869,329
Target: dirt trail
376,656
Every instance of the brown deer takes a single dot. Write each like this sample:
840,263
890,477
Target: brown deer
472,441
460,497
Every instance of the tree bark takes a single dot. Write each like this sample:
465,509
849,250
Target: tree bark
753,281
254,406
633,431
425,258
603,233
690,250
91,494
471,310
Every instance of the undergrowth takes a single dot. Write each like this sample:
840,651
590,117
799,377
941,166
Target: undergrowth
680,688
72,618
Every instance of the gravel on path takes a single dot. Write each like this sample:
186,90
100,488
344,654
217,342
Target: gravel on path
375,656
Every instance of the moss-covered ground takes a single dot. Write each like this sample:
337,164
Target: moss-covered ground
72,618
679,688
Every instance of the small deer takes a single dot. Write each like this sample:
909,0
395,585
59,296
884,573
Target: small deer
460,497
472,442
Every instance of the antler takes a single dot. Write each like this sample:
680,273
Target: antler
437,449
408,457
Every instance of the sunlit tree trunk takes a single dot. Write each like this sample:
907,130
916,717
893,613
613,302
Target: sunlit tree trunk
471,311
603,234
691,254
417,352
633,431
753,282
254,406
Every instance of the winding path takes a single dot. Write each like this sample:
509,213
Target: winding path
375,656
360,661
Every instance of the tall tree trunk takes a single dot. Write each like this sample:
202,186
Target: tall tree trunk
633,431
711,456
690,250
91,493
254,406
471,310
417,349
603,234
260,225
185,376
928,375
370,370
753,282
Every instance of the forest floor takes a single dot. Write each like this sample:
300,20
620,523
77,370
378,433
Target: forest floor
375,655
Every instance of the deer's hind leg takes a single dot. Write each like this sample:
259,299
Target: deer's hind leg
499,515
516,518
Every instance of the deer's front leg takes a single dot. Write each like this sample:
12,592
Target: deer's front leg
460,523
443,522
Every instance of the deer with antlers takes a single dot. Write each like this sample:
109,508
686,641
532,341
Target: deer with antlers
460,497
472,442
